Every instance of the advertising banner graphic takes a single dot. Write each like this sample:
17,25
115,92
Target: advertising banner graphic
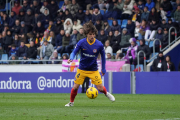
115,66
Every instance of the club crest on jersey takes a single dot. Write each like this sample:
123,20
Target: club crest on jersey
95,51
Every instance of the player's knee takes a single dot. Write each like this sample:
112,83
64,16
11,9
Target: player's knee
76,86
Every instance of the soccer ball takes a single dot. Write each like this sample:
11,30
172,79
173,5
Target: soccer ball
92,93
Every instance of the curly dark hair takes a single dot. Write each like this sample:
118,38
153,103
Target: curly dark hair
89,27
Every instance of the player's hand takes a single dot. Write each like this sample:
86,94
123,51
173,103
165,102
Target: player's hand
69,61
103,72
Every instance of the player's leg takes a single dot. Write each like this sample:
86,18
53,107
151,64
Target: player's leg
102,89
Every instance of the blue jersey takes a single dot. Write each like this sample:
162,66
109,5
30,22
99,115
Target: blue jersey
89,54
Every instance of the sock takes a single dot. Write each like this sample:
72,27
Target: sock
73,95
104,90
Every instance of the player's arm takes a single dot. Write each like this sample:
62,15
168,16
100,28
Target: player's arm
103,58
73,54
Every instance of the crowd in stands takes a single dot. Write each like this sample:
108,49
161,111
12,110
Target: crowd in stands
45,29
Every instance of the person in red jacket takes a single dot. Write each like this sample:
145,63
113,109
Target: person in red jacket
16,7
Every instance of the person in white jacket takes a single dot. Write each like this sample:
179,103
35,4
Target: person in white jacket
136,31
108,48
77,25
68,25
127,10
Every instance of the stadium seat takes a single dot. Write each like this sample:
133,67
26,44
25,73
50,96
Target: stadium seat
151,44
3,10
61,4
132,67
138,43
4,57
124,23
114,54
110,22
102,12
153,54
147,43
119,22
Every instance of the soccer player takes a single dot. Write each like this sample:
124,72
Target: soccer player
90,48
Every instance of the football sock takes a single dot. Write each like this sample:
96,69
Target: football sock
73,95
104,90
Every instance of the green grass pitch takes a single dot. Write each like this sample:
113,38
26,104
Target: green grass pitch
28,106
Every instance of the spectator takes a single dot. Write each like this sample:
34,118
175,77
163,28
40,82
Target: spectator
12,51
65,57
153,27
16,40
8,40
5,18
164,41
25,5
80,15
45,6
166,5
99,25
132,51
1,40
87,16
137,15
154,15
130,27
111,13
106,27
51,26
1,27
96,15
110,37
102,37
66,5
177,14
1,51
115,26
163,13
141,5
23,29
127,10
59,39
101,4
46,51
16,7
136,31
145,49
115,41
31,51
36,18
80,35
77,25
45,37
145,14
150,4
73,41
68,15
28,20
158,4
14,57
21,15
36,7
16,28
168,65
39,29
65,43
58,27
53,8
163,24
108,48
119,5
68,25
61,15
143,28
1,17
159,35
120,56
6,27
52,38
170,23
124,39
108,56
158,64
12,19
22,51
53,57
45,18
74,7
37,40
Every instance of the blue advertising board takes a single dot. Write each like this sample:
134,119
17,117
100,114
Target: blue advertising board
157,83
40,82
122,82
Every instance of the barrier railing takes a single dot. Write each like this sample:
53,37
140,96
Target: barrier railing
170,34
144,60
154,42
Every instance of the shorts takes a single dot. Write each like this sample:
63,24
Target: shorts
93,75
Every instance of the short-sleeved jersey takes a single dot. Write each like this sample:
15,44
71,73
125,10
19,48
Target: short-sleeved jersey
89,54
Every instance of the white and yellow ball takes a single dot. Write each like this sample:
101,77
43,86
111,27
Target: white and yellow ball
92,93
